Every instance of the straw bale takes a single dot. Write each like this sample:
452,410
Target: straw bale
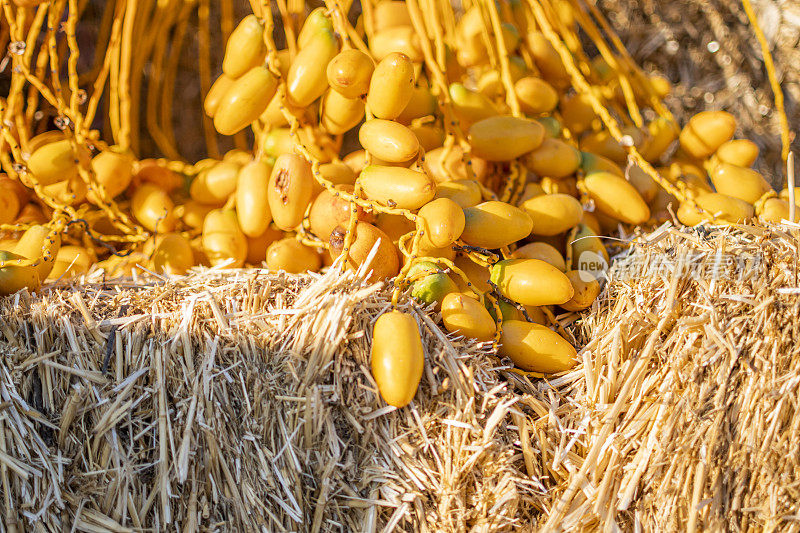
687,407
236,400
243,401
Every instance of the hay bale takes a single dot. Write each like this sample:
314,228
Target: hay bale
242,400
687,410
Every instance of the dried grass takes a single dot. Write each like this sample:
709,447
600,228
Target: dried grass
242,401
688,407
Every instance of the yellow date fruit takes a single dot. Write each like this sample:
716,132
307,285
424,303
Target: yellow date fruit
577,113
471,49
720,207
588,252
154,171
421,104
289,190
273,116
252,204
470,106
391,86
517,68
445,252
257,246
70,261
71,191
495,224
245,48
357,161
706,132
617,198
547,60
786,194
663,133
586,289
292,256
553,213
222,240
739,152
52,162
464,315
386,263
215,94
307,79
554,158
278,141
400,39
172,254
660,85
316,22
328,211
245,100
390,14
739,182
192,213
397,357
602,143
591,221
349,73
430,136
214,185
442,222
338,173
543,252
449,164
113,169
31,214
152,207
591,163
466,193
15,277
388,140
478,275
395,226
535,95
32,245
531,282
503,138
535,348
339,114
775,210
399,187
13,196
568,185
507,311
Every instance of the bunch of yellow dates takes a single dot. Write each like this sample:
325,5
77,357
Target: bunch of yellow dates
483,185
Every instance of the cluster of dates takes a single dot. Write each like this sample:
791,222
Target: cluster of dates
483,185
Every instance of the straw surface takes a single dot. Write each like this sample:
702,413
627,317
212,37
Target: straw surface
687,409
242,400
